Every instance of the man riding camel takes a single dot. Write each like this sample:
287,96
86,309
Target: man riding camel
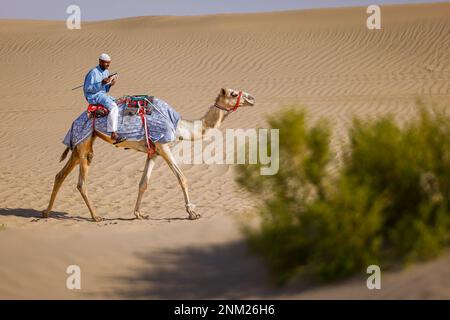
96,84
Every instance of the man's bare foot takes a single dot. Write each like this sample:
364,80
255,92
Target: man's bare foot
114,136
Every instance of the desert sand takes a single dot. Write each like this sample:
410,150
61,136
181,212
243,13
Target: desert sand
326,60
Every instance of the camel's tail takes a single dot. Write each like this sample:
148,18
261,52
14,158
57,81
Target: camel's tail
64,154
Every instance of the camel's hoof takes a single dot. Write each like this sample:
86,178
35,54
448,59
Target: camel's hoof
194,215
97,219
141,216
190,210
45,214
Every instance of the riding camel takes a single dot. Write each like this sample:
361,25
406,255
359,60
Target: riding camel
226,102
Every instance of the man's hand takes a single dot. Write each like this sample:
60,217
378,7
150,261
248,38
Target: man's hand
106,81
114,79
110,80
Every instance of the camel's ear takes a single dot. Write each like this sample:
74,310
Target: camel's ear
223,92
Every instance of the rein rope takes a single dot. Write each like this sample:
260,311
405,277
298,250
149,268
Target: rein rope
151,150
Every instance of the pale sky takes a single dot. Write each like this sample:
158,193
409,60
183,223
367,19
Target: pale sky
113,9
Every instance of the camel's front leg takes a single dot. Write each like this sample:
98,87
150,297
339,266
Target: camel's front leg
170,159
149,164
81,186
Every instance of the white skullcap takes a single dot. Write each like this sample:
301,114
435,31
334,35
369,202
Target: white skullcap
105,57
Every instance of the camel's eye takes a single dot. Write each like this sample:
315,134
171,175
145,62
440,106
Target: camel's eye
234,94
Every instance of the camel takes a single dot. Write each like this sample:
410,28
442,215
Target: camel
227,101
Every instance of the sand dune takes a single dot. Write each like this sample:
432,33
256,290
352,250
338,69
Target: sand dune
323,59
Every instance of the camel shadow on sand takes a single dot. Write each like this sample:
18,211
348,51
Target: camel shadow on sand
57,215
33,213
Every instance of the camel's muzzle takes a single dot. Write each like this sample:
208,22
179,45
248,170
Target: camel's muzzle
249,99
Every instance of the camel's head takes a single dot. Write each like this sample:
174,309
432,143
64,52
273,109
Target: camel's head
230,99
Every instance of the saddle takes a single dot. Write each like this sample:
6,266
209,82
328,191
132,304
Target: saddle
133,104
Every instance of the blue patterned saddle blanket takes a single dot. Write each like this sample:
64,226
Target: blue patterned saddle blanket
161,123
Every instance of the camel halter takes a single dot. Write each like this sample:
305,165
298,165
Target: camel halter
238,102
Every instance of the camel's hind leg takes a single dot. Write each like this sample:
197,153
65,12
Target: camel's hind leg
59,179
85,156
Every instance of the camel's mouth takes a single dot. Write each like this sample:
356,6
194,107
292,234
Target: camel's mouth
249,99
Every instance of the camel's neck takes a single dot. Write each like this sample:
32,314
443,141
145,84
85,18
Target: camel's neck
192,130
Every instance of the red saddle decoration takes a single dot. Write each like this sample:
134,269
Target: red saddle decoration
97,111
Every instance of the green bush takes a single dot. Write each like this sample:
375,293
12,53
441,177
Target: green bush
388,202
411,167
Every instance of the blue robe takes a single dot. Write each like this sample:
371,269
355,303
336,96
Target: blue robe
94,91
